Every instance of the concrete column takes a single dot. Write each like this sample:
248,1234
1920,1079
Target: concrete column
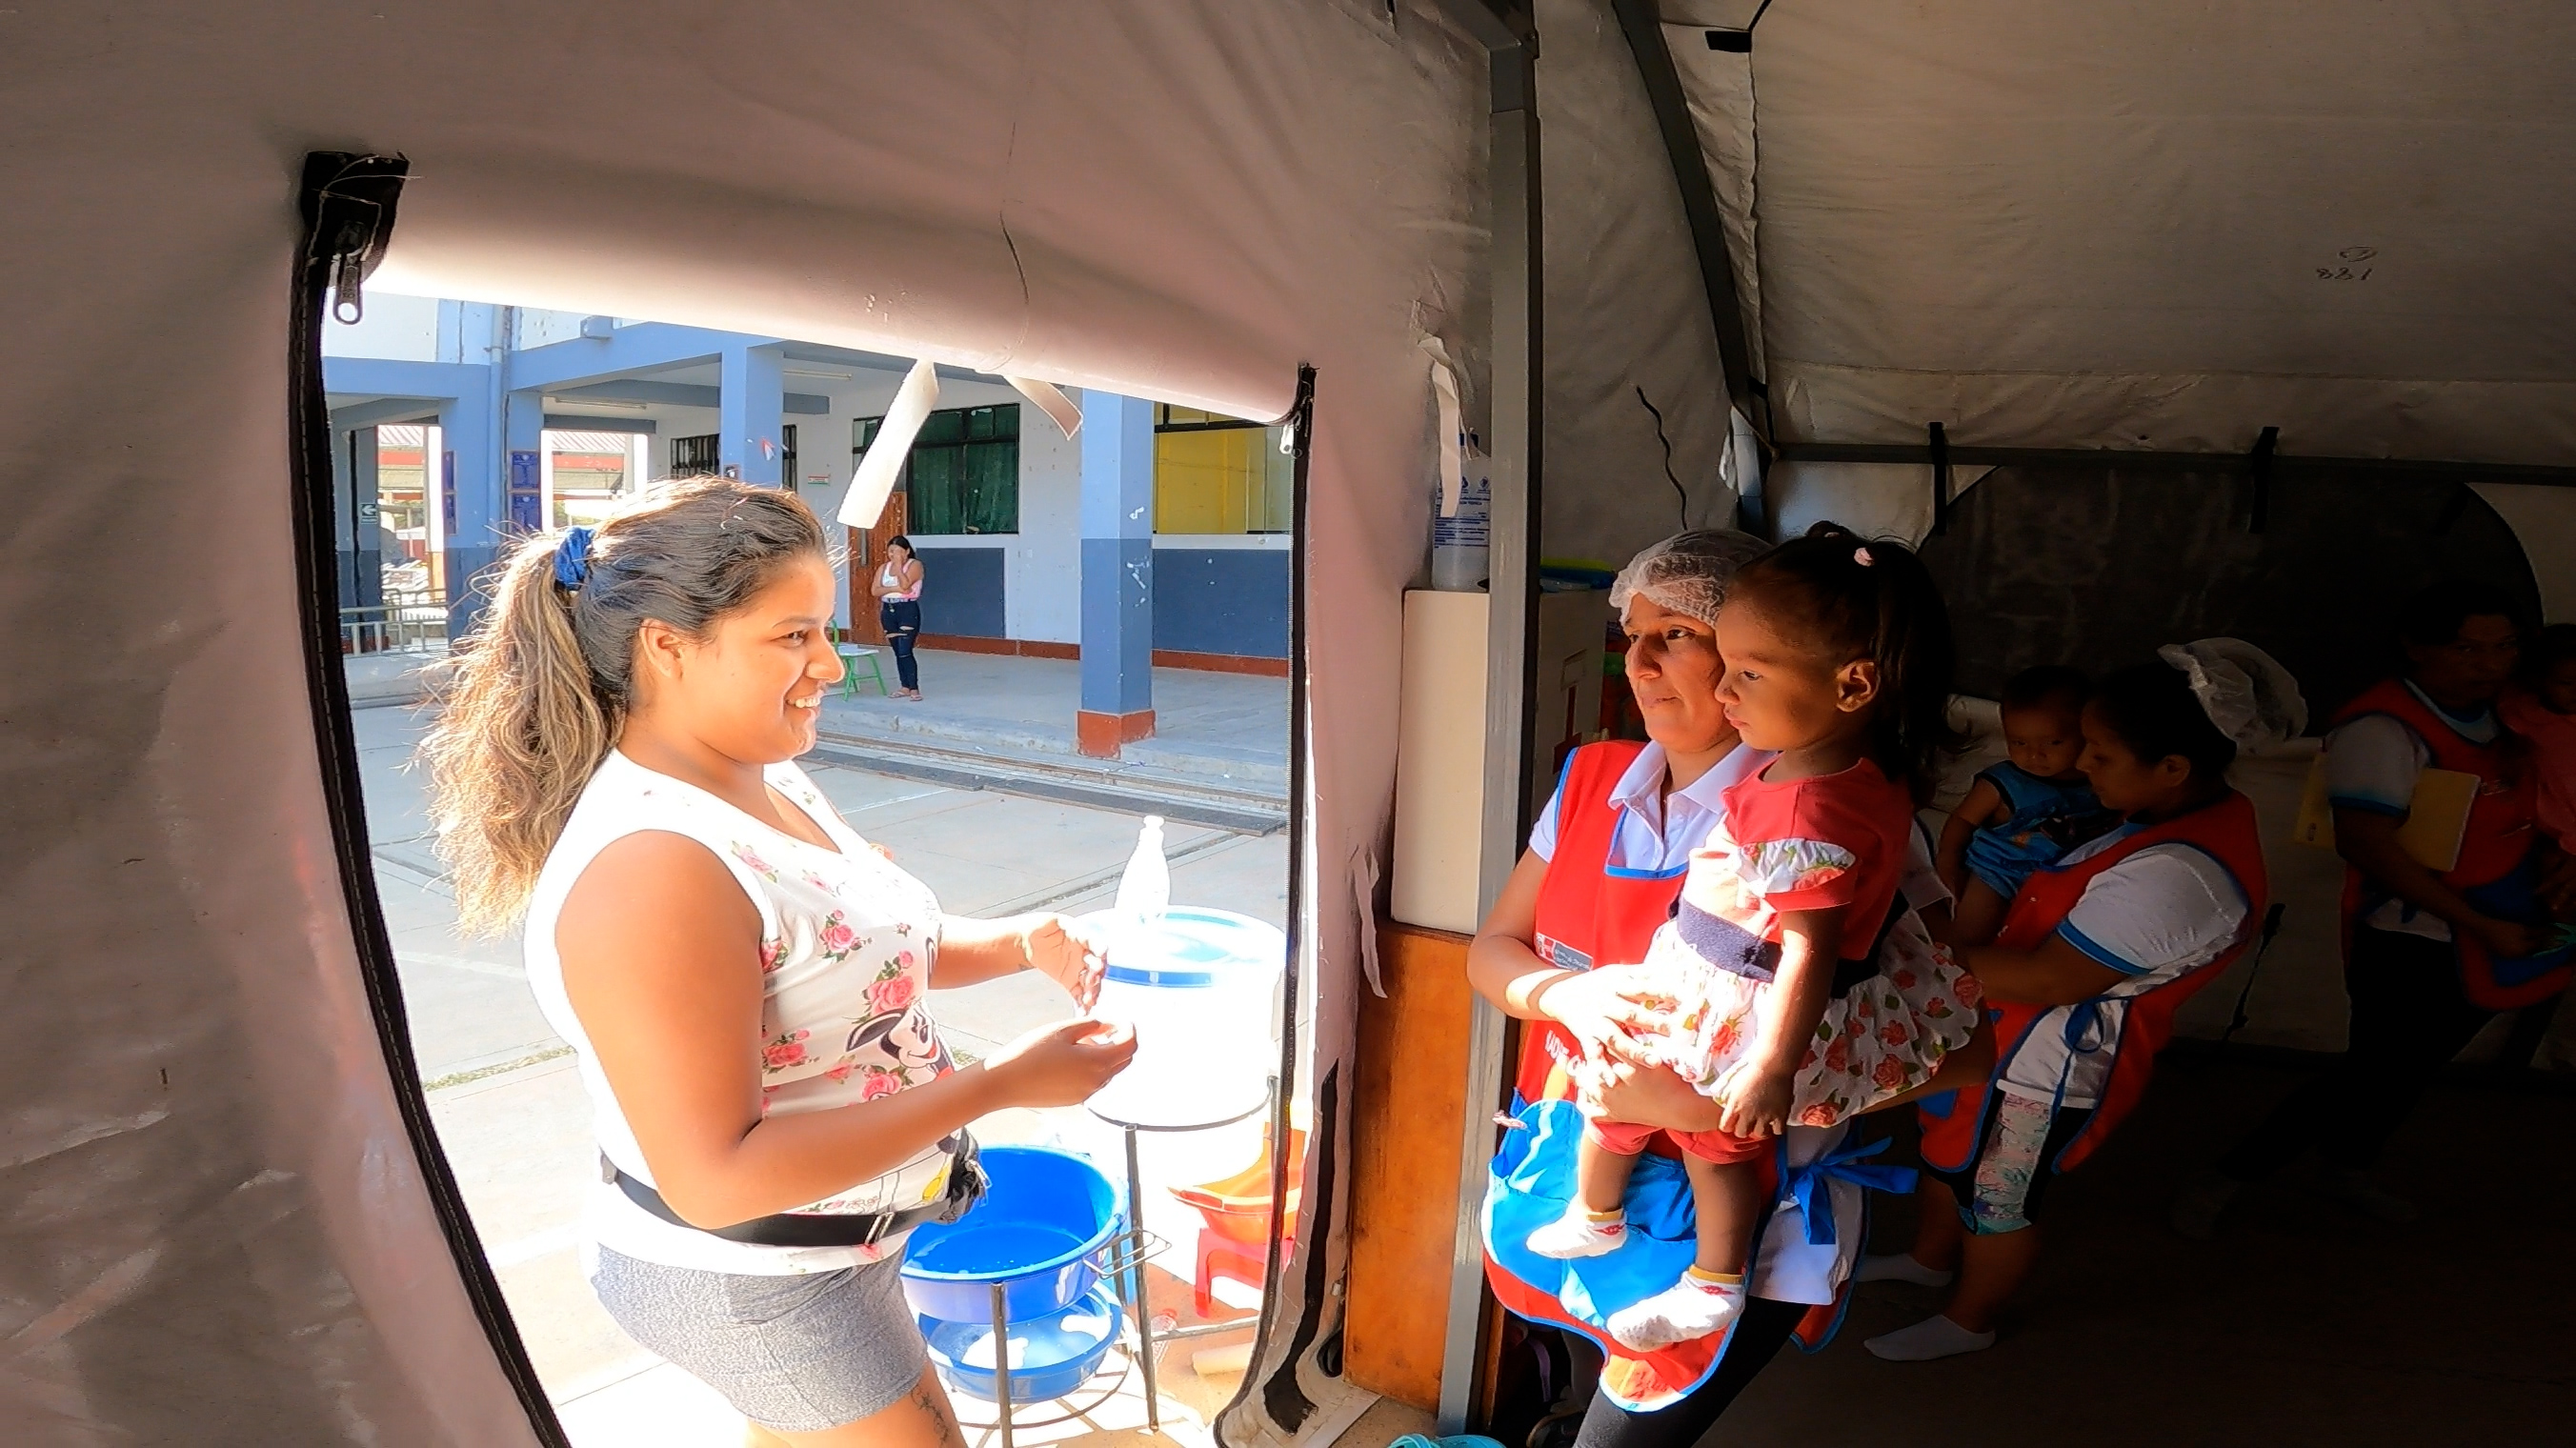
1117,573
751,394
363,576
523,432
477,502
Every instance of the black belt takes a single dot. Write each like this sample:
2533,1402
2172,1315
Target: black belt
966,1182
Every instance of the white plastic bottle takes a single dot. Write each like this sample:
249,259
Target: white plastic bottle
1459,557
1145,889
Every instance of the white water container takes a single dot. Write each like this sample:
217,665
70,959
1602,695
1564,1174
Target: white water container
1460,556
1145,887
1201,987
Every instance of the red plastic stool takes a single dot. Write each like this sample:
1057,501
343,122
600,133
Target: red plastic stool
1232,1260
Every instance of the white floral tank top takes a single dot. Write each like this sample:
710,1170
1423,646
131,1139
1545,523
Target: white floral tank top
847,942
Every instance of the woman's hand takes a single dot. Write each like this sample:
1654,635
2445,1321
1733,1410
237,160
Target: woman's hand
1062,1064
1605,1007
1754,1100
1646,1095
1070,954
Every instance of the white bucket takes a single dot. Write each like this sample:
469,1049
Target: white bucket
1202,991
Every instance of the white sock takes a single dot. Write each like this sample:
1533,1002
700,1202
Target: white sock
1934,1337
1900,1267
1691,1308
1579,1233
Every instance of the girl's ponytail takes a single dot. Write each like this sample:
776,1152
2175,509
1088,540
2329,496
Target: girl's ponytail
538,694
1873,599
520,729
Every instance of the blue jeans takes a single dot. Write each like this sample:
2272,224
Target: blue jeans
901,619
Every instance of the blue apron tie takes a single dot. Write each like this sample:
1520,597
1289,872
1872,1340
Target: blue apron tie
1806,1184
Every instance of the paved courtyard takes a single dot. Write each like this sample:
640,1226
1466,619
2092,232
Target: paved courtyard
513,1121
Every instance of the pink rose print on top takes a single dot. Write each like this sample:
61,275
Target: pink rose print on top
839,1074
892,994
1891,1074
837,936
1968,989
785,1051
879,1082
1819,1114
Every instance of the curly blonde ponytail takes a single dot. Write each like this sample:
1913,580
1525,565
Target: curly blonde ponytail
536,695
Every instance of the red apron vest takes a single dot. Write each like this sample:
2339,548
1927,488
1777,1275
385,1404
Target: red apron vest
2501,838
1588,914
2227,832
1591,914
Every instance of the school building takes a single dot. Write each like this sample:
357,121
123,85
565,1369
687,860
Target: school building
455,423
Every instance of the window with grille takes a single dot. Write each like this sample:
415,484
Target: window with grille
963,474
694,455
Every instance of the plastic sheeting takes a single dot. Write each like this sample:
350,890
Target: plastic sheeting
219,1230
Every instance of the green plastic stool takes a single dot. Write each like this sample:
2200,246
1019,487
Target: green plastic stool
851,654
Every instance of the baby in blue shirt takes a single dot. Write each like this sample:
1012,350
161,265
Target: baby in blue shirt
2026,812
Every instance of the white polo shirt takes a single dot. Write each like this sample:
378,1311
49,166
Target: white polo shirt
2155,917
2372,764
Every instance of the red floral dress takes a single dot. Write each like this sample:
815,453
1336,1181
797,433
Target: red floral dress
1836,842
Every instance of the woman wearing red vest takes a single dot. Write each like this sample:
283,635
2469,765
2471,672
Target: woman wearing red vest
1603,869
2096,953
2429,957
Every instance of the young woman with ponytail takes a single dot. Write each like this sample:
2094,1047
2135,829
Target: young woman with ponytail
741,977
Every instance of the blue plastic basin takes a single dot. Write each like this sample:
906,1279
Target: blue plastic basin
1050,1357
1042,1232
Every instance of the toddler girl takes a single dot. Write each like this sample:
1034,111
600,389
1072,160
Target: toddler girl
2025,812
1800,992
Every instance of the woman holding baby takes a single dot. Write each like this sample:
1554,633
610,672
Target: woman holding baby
1604,873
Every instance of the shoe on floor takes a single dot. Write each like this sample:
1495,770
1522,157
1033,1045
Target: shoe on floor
1576,1235
2197,1208
1688,1309
1934,1337
2357,1191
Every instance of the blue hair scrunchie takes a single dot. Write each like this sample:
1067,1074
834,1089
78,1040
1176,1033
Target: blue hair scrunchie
572,559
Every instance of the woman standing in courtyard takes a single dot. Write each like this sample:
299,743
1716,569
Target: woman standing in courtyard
730,962
898,591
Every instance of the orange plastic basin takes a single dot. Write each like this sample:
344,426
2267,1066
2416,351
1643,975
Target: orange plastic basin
1238,1207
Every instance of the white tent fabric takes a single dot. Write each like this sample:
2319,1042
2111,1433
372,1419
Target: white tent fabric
217,1214
1625,309
2044,225
2148,226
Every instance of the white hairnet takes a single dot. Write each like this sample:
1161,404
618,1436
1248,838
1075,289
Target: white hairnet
1687,572
2245,691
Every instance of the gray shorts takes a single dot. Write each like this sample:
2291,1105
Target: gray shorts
800,1354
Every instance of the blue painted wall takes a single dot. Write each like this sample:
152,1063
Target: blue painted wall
962,591
1221,601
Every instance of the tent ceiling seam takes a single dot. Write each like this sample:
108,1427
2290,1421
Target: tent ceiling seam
1662,81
